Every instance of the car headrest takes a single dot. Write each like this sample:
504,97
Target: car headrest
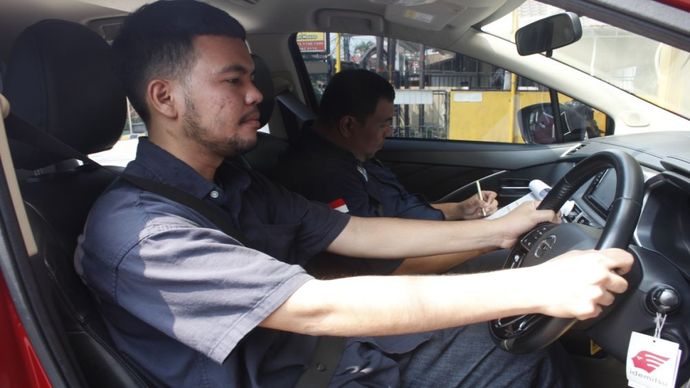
60,78
263,82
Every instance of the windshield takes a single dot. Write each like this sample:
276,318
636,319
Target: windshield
649,69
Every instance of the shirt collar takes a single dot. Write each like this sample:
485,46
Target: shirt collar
313,142
156,163
323,147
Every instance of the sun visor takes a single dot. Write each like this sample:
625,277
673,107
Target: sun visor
350,21
433,16
440,14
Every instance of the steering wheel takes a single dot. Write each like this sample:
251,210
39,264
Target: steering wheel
530,332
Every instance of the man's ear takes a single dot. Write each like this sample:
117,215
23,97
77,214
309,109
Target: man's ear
346,126
160,97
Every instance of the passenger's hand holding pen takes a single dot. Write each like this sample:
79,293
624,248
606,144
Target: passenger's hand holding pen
474,207
485,203
477,206
481,197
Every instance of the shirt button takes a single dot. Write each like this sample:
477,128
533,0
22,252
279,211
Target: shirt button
214,194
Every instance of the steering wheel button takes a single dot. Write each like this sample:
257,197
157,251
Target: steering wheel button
669,297
664,300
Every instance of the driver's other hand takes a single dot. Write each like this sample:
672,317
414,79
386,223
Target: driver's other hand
578,284
522,219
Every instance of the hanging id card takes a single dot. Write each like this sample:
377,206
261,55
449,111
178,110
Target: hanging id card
651,362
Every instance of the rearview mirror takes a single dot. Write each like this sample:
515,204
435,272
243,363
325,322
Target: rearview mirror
548,34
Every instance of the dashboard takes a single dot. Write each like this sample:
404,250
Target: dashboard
660,243
664,224
602,191
594,200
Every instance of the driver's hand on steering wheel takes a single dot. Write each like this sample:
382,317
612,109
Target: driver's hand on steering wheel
522,219
578,284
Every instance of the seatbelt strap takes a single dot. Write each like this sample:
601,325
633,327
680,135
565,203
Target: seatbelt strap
210,212
41,141
329,351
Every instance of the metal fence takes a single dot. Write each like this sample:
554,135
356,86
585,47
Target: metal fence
427,121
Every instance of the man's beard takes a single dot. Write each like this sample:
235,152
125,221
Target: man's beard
231,146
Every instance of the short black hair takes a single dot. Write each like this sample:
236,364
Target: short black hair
353,92
156,41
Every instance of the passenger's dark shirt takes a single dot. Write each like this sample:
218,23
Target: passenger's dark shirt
319,170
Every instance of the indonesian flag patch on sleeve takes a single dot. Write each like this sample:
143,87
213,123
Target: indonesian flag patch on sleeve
339,205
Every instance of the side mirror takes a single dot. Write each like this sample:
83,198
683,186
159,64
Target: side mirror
548,34
538,125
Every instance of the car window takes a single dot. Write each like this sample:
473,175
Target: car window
125,149
446,95
657,72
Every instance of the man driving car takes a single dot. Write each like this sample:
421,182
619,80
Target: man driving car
193,306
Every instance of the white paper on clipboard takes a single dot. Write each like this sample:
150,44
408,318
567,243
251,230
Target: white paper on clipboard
537,191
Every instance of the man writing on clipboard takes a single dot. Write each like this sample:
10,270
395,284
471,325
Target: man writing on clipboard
334,162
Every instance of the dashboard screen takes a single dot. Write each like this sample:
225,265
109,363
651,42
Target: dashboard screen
603,190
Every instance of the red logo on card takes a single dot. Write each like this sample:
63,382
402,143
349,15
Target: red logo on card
648,361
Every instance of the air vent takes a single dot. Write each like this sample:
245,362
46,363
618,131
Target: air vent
572,150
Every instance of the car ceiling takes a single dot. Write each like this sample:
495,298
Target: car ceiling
451,18
444,22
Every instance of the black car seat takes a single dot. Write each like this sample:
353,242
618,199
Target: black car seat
268,150
60,80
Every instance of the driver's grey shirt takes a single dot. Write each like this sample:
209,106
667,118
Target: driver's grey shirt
183,299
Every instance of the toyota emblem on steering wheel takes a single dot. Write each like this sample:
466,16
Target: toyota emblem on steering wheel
545,246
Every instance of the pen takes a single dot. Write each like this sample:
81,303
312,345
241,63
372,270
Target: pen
481,197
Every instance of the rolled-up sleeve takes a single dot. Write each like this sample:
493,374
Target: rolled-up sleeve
201,288
318,224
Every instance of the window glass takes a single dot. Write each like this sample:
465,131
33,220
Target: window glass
644,67
126,148
446,95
